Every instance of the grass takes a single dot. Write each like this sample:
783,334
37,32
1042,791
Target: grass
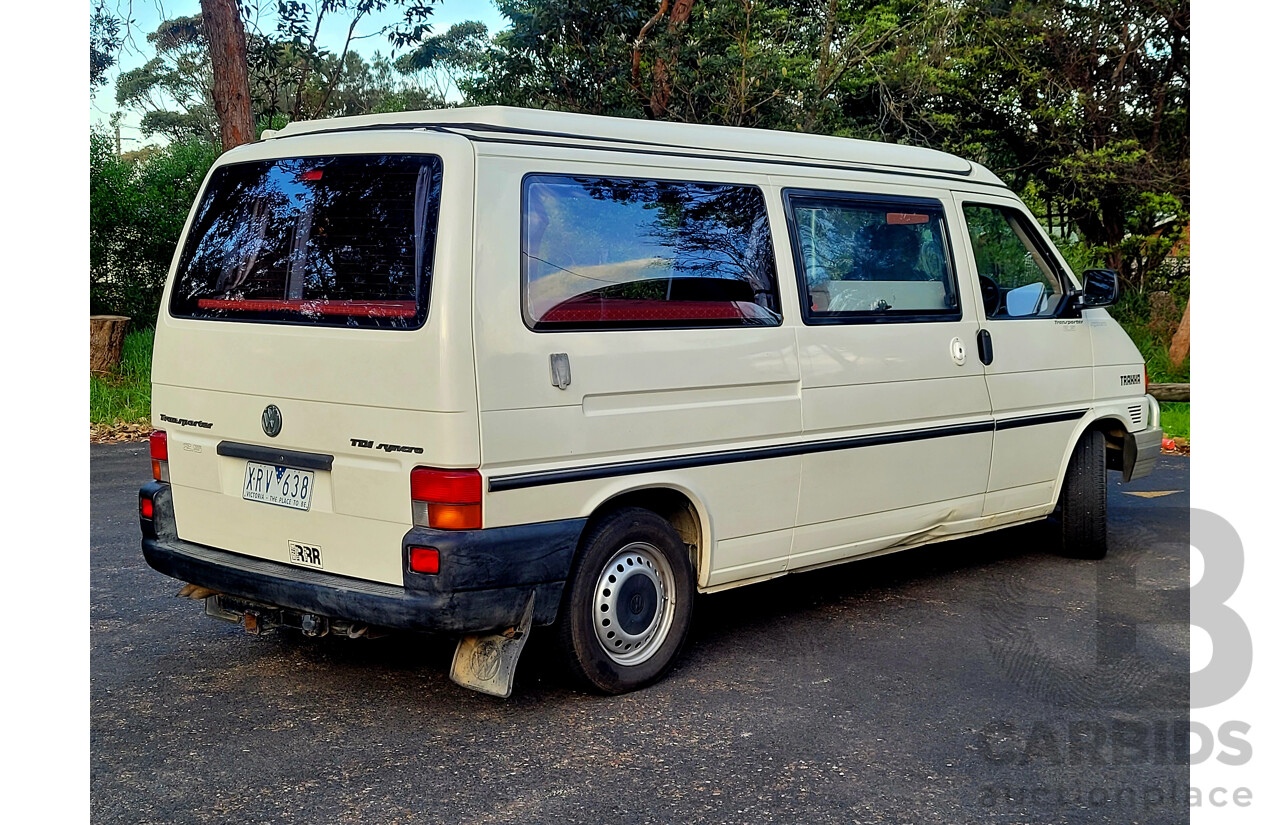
1133,313
124,396
1175,418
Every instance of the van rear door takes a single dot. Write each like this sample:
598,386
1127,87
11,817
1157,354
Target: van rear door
302,366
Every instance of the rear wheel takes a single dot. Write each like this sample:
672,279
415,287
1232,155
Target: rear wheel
1082,505
629,599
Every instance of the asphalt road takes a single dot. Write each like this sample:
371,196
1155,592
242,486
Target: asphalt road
987,680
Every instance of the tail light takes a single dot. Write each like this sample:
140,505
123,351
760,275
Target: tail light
160,455
1146,380
424,560
446,499
146,513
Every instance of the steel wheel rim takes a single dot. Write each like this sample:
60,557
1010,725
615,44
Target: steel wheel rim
638,577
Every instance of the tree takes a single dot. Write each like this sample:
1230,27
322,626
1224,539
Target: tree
784,64
104,43
447,62
1082,102
174,89
1122,137
228,56
300,23
1086,100
137,207
573,57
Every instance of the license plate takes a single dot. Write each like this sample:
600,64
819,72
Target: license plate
283,486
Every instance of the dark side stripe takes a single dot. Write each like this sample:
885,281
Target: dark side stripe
518,481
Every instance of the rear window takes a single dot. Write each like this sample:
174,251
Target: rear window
622,253
342,240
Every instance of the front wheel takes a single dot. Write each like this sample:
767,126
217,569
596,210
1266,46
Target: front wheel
628,604
1082,505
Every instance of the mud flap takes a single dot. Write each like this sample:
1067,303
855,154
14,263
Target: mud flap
488,663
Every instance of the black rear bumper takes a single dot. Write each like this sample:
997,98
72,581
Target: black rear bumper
485,580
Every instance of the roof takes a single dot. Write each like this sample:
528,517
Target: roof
540,125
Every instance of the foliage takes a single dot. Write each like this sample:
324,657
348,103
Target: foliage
1087,100
173,90
290,76
1133,312
560,56
1078,254
137,207
297,78
104,44
125,394
443,62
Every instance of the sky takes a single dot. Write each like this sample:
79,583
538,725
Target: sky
147,14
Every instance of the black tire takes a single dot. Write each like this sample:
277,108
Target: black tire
1082,505
640,550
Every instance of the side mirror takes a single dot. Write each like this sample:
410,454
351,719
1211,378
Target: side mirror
1101,289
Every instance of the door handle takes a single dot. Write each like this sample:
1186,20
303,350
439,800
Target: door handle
985,354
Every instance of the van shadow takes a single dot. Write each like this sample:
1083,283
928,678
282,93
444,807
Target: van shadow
854,577
725,624
791,600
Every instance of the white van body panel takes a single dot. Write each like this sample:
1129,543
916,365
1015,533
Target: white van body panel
634,394
332,385
473,387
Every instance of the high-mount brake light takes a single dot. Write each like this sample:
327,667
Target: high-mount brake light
446,499
312,174
159,455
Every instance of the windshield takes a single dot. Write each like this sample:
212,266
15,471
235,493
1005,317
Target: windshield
341,240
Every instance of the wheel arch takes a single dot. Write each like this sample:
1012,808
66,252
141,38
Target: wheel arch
678,505
1113,428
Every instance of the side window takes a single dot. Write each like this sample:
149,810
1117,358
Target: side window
613,253
872,259
1016,277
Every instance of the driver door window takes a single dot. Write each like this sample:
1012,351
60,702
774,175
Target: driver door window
1017,277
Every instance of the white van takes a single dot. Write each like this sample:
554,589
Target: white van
475,370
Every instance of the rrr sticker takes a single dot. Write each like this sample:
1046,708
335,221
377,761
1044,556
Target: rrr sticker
305,554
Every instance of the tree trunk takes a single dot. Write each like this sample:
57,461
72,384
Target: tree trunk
1180,348
106,341
224,31
1170,392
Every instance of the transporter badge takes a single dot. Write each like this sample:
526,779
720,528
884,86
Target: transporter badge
272,420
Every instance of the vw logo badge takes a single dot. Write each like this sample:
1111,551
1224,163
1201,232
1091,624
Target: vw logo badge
272,420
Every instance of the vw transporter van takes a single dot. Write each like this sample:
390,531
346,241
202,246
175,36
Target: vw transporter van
478,370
